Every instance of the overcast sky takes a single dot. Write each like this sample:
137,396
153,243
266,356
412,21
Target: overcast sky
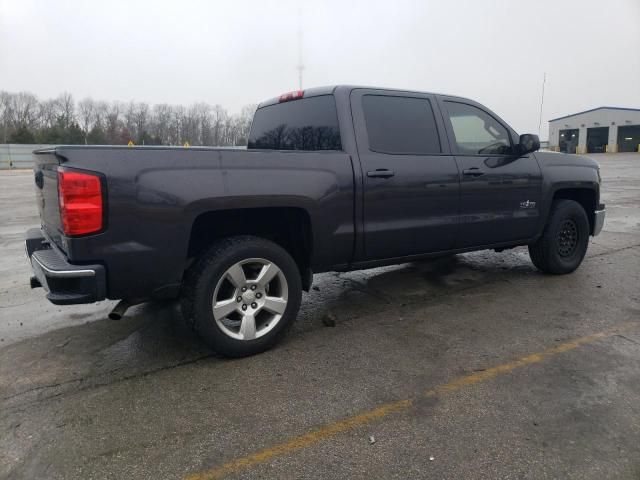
236,52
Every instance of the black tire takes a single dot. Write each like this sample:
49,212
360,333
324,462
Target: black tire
565,239
203,276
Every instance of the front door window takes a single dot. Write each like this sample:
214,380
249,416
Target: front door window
476,132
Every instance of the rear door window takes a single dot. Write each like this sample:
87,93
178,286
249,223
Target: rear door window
305,124
400,125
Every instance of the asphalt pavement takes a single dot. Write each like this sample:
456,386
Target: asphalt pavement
474,366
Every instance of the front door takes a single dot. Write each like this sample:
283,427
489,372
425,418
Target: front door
410,180
499,191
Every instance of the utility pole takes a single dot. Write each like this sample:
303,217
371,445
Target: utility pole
544,79
300,64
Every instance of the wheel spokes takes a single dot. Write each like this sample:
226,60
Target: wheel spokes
237,276
567,238
223,308
248,327
275,305
267,273
242,306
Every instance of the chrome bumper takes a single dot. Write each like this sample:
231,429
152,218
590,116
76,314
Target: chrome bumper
65,283
598,221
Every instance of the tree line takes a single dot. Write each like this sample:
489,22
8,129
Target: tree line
26,119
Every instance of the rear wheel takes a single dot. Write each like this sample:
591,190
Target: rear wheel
565,239
242,295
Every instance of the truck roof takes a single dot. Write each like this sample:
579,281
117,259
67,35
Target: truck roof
331,89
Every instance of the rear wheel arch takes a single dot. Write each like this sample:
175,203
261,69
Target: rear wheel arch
288,227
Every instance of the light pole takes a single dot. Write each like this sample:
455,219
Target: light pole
544,79
300,64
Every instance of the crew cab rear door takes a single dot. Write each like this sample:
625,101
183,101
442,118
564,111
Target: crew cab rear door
499,191
410,180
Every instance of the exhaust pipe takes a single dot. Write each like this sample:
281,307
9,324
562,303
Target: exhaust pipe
119,310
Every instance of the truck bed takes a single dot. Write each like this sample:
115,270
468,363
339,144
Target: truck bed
156,194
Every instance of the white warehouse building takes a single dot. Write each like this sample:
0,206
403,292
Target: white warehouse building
602,129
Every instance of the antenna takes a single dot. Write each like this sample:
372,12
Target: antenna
300,66
544,79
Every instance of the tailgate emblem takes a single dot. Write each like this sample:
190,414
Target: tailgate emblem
527,204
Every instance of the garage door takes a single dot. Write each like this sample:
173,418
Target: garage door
628,138
569,140
597,139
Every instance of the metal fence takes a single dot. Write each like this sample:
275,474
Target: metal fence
17,156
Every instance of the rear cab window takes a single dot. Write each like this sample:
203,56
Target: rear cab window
302,124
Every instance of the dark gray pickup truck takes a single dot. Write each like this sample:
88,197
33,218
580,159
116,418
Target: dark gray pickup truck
333,179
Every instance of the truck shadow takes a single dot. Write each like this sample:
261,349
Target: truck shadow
154,337
349,296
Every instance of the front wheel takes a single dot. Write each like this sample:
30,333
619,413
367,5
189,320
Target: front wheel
565,239
242,295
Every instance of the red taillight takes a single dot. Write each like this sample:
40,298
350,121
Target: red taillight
286,97
80,196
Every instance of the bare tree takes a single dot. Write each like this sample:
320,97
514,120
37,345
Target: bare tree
89,121
140,118
23,110
219,116
129,120
113,123
87,114
48,113
66,109
244,123
100,114
202,114
5,106
161,123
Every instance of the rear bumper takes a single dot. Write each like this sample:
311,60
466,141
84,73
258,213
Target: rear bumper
598,219
64,282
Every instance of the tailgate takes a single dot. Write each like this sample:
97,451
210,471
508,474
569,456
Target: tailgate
46,179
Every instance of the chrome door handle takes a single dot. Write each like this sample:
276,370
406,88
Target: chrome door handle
473,172
381,173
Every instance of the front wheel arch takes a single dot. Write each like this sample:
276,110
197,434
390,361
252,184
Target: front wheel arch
587,197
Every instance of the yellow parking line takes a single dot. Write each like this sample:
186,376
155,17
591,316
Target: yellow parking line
350,423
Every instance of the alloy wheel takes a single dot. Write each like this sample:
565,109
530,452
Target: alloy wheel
250,299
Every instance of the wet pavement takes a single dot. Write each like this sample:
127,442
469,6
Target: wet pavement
86,397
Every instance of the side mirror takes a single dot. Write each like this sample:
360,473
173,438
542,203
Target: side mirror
528,143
